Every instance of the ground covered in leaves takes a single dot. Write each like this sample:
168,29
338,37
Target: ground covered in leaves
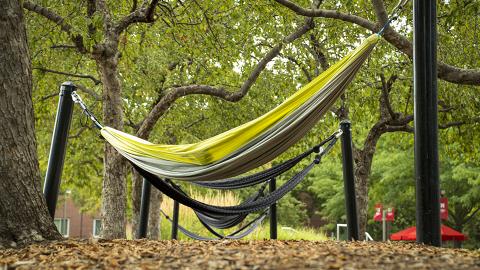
142,254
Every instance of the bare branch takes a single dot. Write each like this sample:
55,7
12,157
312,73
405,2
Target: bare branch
95,80
63,46
88,91
54,94
405,128
445,72
78,134
144,14
134,6
451,124
385,100
318,54
169,98
59,20
195,122
302,67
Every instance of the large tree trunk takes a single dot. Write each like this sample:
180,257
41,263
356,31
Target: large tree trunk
362,174
154,215
24,216
363,167
137,182
114,199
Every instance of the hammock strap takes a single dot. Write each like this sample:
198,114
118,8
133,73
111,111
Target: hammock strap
77,99
393,15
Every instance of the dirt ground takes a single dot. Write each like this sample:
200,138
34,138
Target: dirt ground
143,254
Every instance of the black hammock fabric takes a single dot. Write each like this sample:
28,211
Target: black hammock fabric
238,234
225,222
222,221
244,208
266,175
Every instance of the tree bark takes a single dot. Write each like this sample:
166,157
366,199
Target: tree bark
154,215
24,217
137,181
114,199
363,168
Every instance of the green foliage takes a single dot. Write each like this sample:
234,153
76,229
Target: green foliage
186,48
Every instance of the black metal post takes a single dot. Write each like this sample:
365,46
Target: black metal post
176,210
144,209
349,182
426,122
58,146
273,211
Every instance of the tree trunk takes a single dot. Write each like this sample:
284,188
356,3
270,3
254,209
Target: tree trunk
362,173
24,217
137,182
114,192
154,215
363,167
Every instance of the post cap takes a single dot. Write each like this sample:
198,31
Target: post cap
67,87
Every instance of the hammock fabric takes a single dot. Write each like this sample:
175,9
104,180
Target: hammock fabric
268,174
222,221
245,207
238,234
252,144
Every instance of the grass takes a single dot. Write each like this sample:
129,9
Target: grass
188,219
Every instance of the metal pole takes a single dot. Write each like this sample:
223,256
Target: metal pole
273,211
58,146
349,182
176,210
426,122
144,209
384,225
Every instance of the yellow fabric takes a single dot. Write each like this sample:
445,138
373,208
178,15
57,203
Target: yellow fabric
221,145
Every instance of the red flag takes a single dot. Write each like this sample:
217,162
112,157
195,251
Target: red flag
390,214
378,212
443,208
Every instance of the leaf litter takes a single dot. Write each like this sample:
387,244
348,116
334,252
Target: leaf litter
293,254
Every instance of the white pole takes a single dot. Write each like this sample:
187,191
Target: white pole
384,225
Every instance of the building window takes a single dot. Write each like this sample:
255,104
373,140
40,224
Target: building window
97,227
63,226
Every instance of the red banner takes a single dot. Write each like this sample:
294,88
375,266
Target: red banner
378,212
443,208
390,216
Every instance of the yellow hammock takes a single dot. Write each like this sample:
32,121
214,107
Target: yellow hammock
222,145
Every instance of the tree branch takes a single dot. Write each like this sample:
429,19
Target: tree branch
92,93
63,46
169,98
385,99
91,8
471,216
144,14
299,65
380,11
445,72
95,80
59,20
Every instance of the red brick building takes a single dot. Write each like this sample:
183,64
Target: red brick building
71,222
